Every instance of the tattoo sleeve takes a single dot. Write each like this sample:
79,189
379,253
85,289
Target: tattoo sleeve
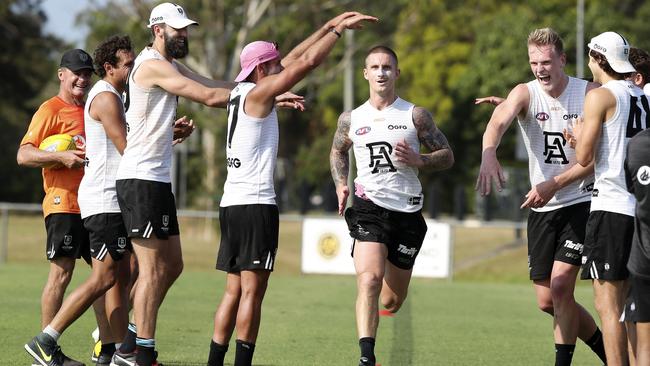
339,158
440,155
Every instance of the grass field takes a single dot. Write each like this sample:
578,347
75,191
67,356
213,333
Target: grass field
486,316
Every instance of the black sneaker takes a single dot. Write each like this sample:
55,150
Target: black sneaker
45,350
365,361
67,361
104,359
123,359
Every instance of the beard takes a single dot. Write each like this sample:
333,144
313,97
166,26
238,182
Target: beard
176,47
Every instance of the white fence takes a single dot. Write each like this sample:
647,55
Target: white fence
435,259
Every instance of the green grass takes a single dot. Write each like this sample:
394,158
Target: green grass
486,316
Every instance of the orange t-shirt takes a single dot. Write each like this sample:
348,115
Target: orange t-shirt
53,117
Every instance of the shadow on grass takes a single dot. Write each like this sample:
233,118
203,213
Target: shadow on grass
181,363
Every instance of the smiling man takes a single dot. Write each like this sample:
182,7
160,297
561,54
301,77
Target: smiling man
67,239
560,192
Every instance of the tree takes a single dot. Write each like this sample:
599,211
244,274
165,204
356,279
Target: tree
27,69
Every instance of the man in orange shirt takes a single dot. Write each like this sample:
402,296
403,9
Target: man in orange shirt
67,239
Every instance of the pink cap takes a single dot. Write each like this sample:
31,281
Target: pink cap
253,54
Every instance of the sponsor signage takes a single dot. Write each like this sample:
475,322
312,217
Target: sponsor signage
326,247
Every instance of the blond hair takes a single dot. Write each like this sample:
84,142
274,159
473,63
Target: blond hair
545,37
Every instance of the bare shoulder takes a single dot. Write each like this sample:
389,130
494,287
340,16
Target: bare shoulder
519,94
600,95
591,85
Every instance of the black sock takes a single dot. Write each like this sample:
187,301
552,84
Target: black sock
128,344
244,353
144,355
217,354
108,349
367,345
564,354
596,345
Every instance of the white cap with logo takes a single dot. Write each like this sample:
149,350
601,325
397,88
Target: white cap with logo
616,50
170,14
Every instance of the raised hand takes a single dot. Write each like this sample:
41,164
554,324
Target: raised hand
491,100
290,100
355,21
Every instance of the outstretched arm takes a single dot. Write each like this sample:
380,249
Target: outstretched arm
303,46
440,156
340,160
502,116
161,73
260,100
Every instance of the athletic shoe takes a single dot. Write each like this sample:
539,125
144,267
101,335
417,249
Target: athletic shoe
67,361
44,350
364,361
104,359
123,359
97,348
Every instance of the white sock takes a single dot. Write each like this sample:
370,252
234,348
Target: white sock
95,334
52,333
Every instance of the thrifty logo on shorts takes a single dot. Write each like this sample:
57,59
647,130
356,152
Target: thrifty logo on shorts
406,250
569,244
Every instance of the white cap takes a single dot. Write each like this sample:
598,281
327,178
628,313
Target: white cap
616,50
170,14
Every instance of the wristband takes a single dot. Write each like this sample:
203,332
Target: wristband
333,30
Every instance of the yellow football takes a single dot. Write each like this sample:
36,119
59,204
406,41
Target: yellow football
59,142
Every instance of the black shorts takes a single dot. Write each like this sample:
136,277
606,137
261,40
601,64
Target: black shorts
249,237
401,232
556,235
147,207
607,246
107,235
66,237
637,306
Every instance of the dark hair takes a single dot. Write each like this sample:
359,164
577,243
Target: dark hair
601,60
383,49
641,62
107,52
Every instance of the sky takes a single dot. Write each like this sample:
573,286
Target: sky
61,16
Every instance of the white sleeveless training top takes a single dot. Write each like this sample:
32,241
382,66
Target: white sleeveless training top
97,189
380,177
251,153
610,190
549,153
150,114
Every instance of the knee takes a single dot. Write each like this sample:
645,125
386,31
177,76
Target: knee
546,305
369,282
101,283
392,302
175,269
61,275
561,290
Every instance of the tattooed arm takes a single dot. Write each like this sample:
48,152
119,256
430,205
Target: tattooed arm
440,156
340,160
